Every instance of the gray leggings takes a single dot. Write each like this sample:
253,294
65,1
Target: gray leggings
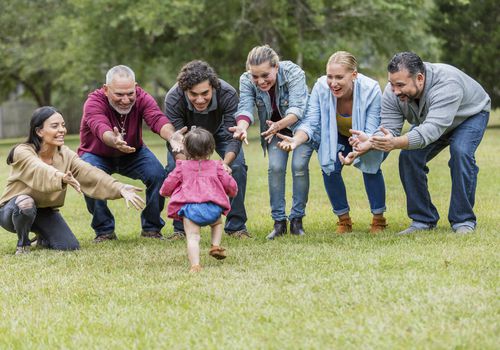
20,215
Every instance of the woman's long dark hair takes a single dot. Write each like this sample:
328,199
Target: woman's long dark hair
40,115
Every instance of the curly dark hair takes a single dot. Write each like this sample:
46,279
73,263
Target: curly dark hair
196,72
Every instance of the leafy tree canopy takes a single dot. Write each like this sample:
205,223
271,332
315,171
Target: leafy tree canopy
60,49
469,32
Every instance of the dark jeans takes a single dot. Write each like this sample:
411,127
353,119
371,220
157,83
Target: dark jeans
413,170
335,188
237,217
47,223
142,165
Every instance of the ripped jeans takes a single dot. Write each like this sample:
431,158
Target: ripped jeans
278,160
20,215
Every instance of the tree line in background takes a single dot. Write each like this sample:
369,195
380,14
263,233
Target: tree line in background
59,50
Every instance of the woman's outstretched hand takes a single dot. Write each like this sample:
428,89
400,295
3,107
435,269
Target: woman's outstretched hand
70,180
287,143
272,129
239,133
360,142
349,158
357,137
129,193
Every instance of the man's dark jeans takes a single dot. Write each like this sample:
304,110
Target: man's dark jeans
463,142
141,165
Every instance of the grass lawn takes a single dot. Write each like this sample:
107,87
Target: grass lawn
322,291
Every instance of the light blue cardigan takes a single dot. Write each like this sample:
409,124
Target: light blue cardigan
320,122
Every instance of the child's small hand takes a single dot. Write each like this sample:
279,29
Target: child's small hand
227,168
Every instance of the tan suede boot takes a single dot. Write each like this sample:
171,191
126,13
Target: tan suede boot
344,225
379,223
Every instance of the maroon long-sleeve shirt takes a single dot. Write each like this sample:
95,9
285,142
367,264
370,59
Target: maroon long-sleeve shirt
99,117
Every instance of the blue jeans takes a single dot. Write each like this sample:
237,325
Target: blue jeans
413,170
142,165
278,160
237,217
335,188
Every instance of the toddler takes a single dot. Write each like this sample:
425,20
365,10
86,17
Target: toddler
199,190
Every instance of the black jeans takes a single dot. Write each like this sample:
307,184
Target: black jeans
47,223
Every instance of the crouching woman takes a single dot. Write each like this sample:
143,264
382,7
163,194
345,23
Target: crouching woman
41,170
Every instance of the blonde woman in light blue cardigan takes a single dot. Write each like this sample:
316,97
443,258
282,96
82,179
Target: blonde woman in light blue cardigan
340,101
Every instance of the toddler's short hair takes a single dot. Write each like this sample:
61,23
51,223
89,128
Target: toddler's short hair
199,144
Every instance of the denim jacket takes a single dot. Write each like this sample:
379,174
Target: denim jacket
291,92
322,132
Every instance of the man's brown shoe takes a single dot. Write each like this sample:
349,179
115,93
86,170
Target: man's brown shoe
152,234
105,237
177,236
379,223
241,234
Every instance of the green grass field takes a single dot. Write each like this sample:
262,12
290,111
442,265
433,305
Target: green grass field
322,291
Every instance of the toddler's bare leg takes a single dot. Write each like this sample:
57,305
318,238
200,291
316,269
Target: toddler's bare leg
193,241
216,232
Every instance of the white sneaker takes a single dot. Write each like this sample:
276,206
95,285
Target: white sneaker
464,230
413,228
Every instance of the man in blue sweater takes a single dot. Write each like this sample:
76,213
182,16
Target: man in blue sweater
445,107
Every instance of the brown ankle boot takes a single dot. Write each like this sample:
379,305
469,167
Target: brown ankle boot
344,225
379,223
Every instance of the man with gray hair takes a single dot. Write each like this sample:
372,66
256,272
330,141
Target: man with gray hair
445,107
111,139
